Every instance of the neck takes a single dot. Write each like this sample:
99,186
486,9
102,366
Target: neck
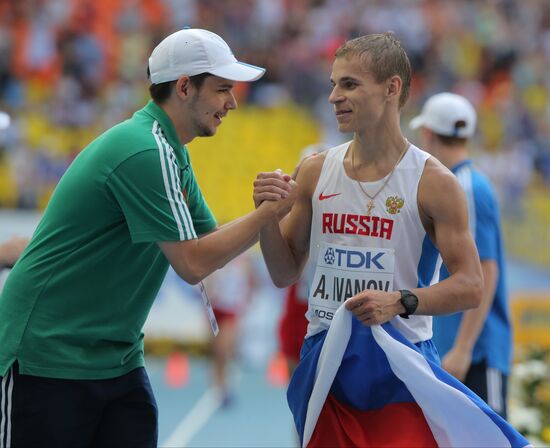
380,140
386,149
177,116
377,168
452,156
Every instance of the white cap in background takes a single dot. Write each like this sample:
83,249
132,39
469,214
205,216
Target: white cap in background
194,51
4,120
447,114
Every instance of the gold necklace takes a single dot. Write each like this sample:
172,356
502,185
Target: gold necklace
370,204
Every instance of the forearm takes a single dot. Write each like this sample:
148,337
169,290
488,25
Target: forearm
4,260
11,250
473,320
253,240
459,292
280,260
470,328
217,249
194,260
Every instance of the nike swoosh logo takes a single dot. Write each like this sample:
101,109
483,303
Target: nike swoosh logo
322,197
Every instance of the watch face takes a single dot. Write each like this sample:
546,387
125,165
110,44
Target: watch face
410,302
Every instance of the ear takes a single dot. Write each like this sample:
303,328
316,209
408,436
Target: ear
393,87
425,133
429,136
183,86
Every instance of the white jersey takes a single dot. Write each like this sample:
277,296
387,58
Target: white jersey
352,250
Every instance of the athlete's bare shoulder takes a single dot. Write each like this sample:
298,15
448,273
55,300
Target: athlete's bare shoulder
438,188
308,171
435,171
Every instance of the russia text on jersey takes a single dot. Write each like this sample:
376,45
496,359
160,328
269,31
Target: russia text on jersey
353,224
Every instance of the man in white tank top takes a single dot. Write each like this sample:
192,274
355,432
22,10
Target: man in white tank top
370,213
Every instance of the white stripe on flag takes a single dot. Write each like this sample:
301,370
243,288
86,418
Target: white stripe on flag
455,420
330,358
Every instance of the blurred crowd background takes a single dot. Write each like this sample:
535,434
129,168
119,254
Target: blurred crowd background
70,69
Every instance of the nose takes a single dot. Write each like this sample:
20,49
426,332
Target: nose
232,103
335,96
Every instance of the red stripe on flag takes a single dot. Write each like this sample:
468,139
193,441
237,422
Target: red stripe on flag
395,425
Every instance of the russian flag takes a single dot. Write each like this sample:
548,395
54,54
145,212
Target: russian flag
370,387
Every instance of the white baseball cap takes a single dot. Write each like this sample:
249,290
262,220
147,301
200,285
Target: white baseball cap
194,51
4,120
447,114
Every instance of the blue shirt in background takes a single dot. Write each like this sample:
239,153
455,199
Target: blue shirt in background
494,344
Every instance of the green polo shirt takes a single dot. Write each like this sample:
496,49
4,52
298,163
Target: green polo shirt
75,303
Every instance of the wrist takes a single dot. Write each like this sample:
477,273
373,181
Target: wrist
464,347
398,306
409,303
267,215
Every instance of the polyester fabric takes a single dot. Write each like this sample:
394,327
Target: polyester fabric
370,387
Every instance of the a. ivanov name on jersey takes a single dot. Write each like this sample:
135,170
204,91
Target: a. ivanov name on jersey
344,288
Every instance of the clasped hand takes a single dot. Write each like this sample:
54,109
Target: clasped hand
275,189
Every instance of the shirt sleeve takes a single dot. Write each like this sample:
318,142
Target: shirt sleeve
203,219
148,190
487,228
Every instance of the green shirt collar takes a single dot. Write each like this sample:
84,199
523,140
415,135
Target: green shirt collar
155,111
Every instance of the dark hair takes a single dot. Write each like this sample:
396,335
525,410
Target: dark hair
383,56
161,92
451,141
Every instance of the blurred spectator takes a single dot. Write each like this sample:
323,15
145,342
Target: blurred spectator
230,289
71,64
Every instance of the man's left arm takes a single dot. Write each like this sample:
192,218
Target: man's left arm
486,229
11,250
458,360
445,216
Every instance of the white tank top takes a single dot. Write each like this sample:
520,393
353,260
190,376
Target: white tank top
351,251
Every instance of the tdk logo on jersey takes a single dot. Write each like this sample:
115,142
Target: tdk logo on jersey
354,259
329,256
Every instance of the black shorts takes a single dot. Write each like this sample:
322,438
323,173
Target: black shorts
43,412
490,384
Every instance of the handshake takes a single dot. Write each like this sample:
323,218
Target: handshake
275,190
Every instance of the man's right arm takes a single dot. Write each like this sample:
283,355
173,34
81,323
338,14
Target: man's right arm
285,245
11,249
153,202
195,259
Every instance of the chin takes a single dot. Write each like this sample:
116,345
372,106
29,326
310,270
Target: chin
207,132
344,128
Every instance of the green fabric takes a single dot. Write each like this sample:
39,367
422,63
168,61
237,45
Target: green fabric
75,303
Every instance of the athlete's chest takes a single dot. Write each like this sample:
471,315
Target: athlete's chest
342,208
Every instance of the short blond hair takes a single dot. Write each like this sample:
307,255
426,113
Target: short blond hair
383,56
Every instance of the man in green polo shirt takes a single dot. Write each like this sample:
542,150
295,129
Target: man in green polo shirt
73,307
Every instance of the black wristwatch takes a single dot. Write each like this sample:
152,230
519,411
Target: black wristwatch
409,302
